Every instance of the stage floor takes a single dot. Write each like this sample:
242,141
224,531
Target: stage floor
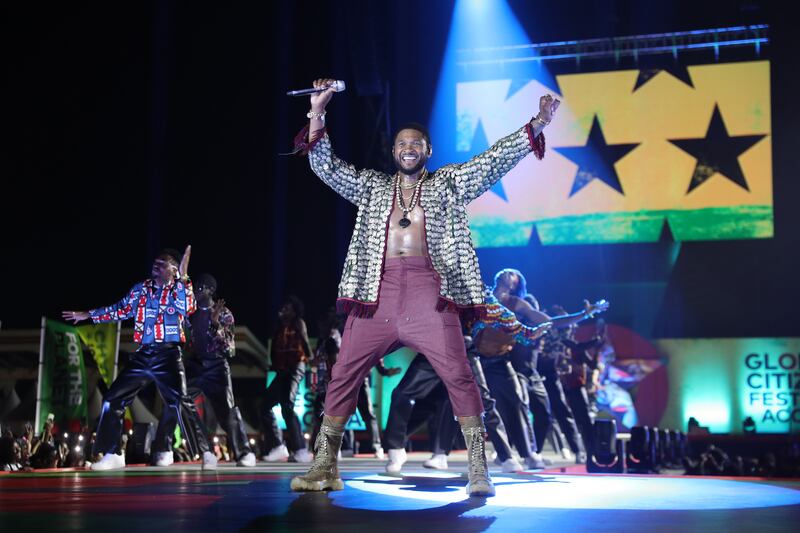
184,498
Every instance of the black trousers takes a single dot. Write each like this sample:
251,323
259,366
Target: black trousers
211,377
525,362
162,365
512,404
563,413
419,382
283,391
578,400
539,405
495,426
367,413
365,409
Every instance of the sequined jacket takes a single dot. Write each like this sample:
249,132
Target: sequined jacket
443,197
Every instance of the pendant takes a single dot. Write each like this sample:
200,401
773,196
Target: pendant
404,222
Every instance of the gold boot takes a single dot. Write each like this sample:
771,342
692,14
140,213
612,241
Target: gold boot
480,484
324,471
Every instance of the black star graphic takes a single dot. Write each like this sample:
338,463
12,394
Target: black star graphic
678,70
596,160
718,152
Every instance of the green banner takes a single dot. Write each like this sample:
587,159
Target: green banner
63,376
101,341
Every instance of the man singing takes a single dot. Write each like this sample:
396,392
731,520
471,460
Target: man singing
411,273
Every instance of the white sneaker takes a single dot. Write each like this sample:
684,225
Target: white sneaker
302,456
249,459
438,461
511,465
397,459
534,462
164,459
379,453
277,454
209,461
566,453
110,461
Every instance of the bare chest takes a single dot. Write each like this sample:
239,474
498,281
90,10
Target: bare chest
406,236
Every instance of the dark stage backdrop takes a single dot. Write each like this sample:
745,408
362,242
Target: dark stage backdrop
129,127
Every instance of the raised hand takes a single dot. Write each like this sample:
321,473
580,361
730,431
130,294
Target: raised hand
183,269
219,305
75,316
547,107
320,100
597,307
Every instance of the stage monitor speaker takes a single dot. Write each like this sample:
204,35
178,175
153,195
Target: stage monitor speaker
665,457
640,455
607,453
655,447
680,445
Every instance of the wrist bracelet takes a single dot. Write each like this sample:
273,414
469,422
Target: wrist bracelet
540,120
314,114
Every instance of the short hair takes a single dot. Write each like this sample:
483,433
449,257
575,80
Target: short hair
173,254
413,126
206,279
522,288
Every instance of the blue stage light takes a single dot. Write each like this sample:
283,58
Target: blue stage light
544,491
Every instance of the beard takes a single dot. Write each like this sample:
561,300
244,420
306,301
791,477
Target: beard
410,171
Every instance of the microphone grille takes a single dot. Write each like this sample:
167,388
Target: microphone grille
338,86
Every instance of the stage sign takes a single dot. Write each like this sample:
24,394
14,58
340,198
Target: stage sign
304,406
380,391
720,382
624,157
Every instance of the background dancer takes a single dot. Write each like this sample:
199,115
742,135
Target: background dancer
288,356
419,382
211,344
159,306
328,346
575,375
510,290
495,335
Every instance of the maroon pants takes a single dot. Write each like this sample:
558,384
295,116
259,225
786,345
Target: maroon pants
406,316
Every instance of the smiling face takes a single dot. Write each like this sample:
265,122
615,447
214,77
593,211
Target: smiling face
411,151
